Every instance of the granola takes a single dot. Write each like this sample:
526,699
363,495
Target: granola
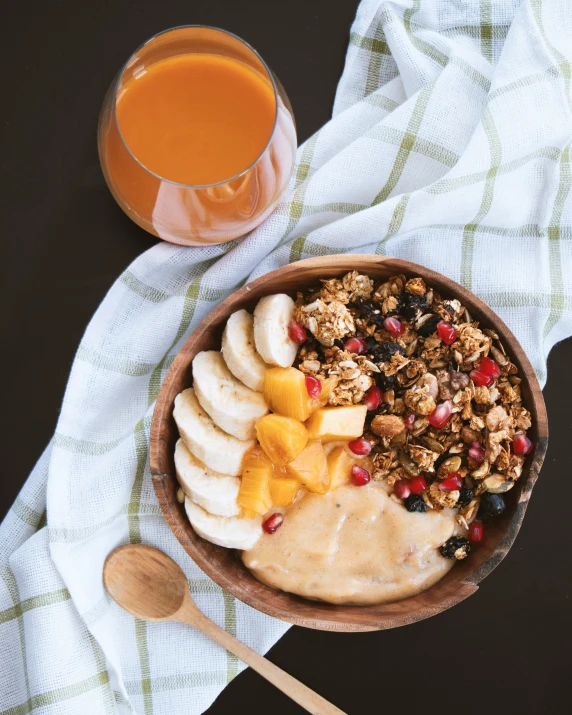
448,401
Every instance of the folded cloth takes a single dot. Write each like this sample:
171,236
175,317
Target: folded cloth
449,146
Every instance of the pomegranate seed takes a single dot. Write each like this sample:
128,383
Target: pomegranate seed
476,532
477,452
297,332
393,326
273,523
446,332
372,398
361,446
313,386
481,378
490,367
417,484
402,489
355,345
452,481
410,421
360,476
441,414
521,444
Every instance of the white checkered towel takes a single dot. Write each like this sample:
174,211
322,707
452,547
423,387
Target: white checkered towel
449,146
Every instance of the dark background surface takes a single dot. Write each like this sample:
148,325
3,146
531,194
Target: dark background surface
504,650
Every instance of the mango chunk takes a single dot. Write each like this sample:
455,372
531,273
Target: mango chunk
340,465
311,468
332,423
280,471
254,492
282,438
283,491
286,394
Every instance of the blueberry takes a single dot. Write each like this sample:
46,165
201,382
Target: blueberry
491,505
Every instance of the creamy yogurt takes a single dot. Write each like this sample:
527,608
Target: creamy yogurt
353,545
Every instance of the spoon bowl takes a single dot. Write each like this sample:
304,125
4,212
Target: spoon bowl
145,582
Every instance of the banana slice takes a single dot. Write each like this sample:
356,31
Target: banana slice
234,407
272,317
215,492
233,532
239,352
219,451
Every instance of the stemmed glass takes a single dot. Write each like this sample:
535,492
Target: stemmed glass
196,214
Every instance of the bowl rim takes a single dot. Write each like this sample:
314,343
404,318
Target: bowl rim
465,586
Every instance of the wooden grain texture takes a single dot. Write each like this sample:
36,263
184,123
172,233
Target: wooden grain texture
225,567
151,586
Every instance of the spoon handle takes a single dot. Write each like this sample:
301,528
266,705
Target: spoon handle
300,693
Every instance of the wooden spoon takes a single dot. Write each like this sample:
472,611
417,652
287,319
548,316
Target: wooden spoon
149,585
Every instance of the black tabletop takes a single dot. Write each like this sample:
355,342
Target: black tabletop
504,650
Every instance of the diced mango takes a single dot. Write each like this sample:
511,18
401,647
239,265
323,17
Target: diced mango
282,438
284,491
311,468
280,471
340,464
332,423
286,394
254,492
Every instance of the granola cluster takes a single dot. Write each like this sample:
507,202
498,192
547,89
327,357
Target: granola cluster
449,407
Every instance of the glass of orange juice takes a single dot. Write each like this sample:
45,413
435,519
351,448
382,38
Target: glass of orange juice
196,136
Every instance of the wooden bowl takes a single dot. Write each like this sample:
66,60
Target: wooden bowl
224,565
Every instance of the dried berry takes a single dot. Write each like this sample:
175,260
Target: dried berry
466,496
412,306
456,547
415,503
429,326
383,352
491,505
385,382
371,312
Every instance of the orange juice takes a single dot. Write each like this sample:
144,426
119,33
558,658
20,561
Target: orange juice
196,140
196,119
